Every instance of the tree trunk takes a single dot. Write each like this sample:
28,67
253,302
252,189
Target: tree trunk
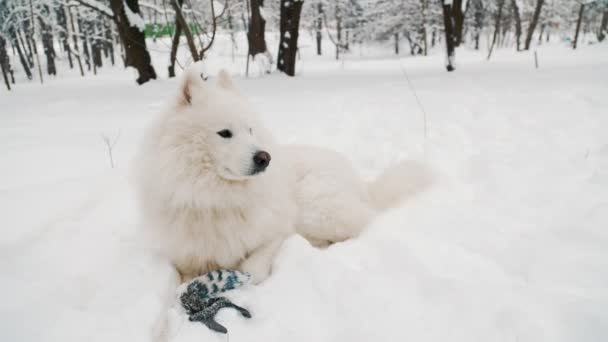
505,25
410,43
27,47
24,37
133,39
516,15
603,26
578,25
34,43
22,58
49,50
82,32
174,46
450,39
97,48
109,41
205,48
540,35
98,45
75,39
103,43
338,32
425,49
457,21
319,27
424,6
533,23
47,42
289,29
396,43
497,20
85,44
478,21
257,27
179,19
63,35
4,62
347,40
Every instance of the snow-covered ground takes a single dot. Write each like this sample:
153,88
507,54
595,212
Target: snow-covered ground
511,243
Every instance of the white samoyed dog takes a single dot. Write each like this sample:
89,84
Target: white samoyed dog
216,191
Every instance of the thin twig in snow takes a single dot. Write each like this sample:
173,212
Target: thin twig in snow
110,146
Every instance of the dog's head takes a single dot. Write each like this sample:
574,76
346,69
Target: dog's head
217,130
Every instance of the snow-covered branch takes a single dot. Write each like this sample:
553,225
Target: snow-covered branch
95,5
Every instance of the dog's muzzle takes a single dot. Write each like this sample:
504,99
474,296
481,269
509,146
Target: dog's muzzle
261,160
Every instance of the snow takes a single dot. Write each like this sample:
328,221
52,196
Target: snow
169,11
219,6
135,19
509,245
156,8
101,7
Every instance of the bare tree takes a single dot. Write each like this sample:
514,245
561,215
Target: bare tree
4,62
75,40
181,21
18,45
396,36
578,24
63,33
257,27
423,24
319,27
289,29
478,6
109,44
457,15
497,19
450,39
338,43
603,31
47,42
214,20
533,23
174,46
33,28
133,38
517,17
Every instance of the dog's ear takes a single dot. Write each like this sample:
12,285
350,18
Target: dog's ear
191,83
224,80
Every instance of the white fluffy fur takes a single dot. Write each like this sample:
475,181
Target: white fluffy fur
203,209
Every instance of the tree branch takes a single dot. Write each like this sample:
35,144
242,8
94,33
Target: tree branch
96,6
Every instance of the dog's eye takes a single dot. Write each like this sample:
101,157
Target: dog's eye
225,133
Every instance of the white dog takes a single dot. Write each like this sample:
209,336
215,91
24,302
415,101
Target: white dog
217,192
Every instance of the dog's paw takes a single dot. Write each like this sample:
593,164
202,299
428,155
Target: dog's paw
259,270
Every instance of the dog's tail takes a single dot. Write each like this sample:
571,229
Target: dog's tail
398,183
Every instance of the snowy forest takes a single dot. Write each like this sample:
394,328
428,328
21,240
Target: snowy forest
45,38
319,170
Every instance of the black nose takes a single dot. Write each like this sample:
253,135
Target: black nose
261,159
